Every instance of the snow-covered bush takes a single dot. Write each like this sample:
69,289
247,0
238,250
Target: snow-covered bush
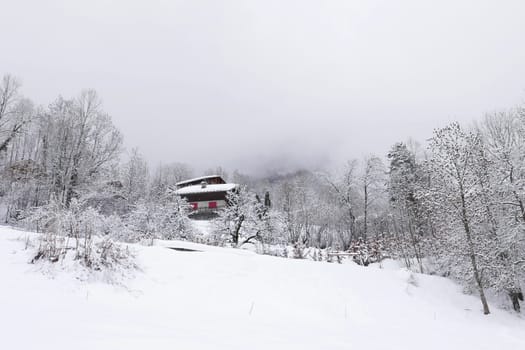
80,233
166,218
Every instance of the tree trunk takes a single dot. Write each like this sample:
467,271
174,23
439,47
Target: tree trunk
236,232
365,228
472,254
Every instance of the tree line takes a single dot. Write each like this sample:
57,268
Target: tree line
453,207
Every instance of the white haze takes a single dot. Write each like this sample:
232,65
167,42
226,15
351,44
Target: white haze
253,84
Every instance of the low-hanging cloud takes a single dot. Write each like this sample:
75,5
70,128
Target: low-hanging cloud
260,84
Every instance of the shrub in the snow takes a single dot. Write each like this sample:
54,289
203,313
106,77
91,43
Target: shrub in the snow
51,247
298,251
166,218
80,233
107,254
364,252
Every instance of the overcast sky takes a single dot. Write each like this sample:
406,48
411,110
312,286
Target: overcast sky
246,84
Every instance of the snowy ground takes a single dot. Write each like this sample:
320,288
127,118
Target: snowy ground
202,227
221,298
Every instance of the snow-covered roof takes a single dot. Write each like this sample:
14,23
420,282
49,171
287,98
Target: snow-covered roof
209,188
196,179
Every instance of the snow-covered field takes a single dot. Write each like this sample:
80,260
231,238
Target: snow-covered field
218,298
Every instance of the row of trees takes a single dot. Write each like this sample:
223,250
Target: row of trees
61,172
456,207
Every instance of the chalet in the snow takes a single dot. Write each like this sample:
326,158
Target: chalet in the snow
205,193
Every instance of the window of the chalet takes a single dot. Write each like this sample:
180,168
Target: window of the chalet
212,205
194,206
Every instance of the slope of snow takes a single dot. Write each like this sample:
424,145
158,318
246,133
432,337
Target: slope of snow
219,298
202,227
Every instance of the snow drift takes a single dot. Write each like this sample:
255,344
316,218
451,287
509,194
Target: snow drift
220,298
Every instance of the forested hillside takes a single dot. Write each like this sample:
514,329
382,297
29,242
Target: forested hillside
453,205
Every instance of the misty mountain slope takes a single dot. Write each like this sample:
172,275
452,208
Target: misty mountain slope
218,298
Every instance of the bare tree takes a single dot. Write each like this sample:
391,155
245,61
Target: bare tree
457,196
167,175
11,111
345,191
135,175
372,184
219,170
